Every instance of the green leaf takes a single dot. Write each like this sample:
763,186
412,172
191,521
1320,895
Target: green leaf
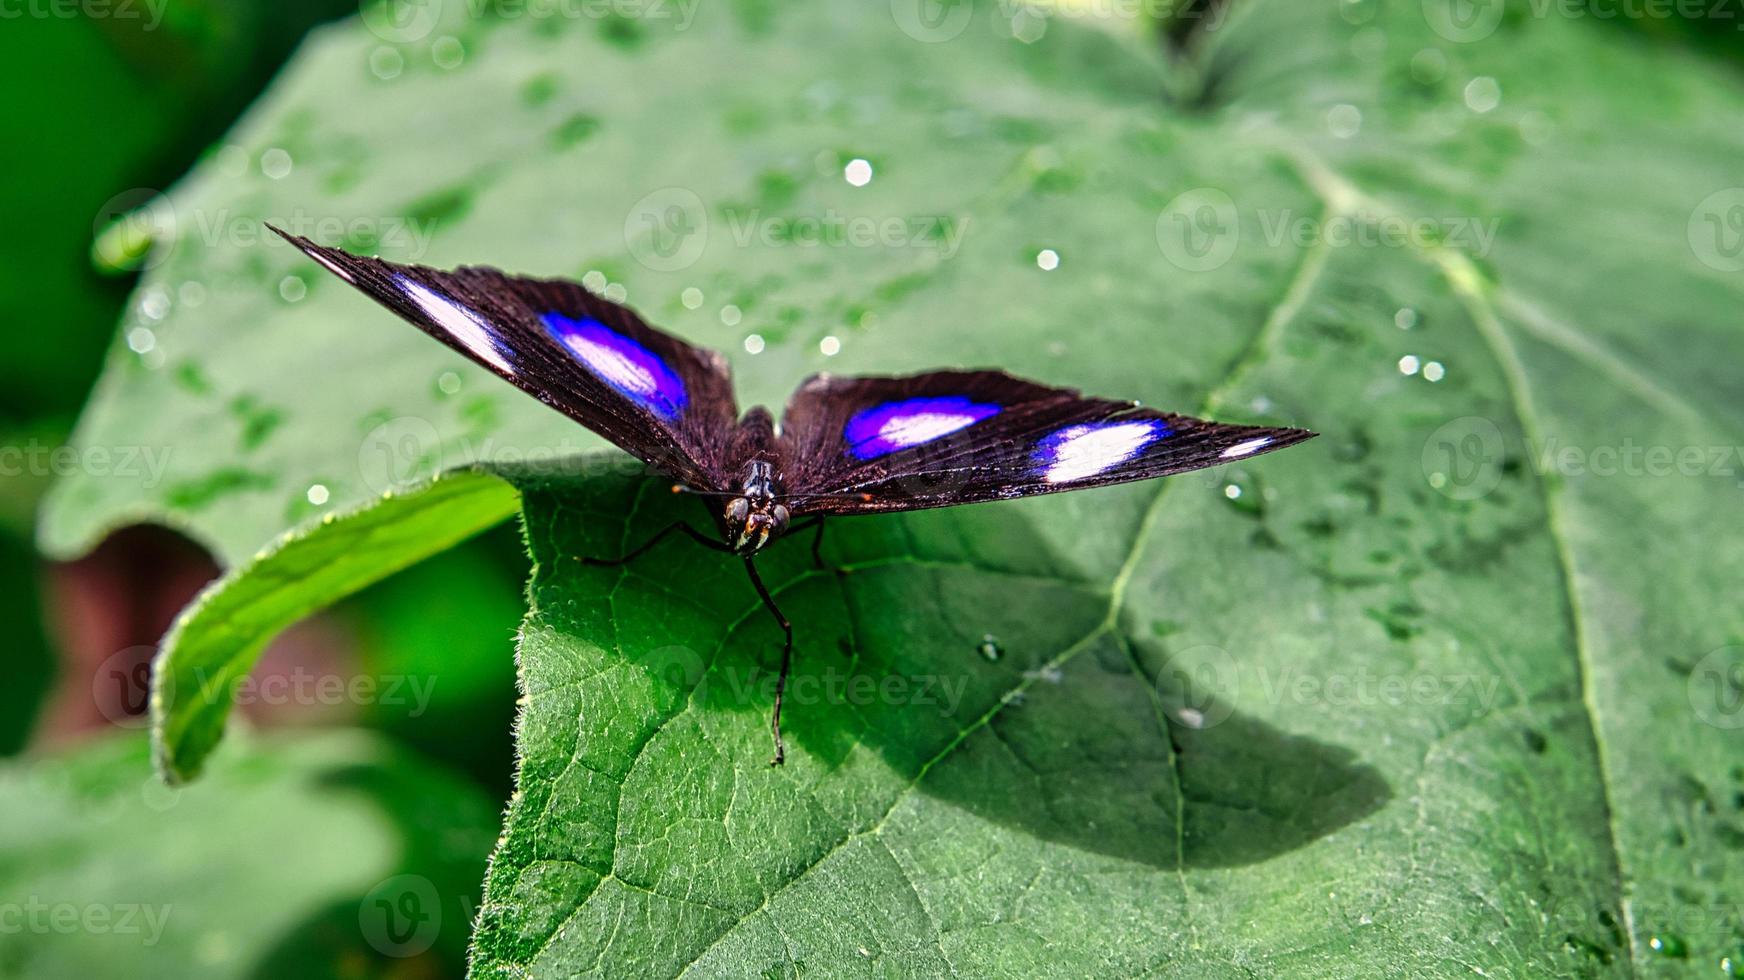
216,640
1431,695
273,866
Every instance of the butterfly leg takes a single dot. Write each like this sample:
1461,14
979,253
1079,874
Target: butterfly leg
786,660
817,541
637,552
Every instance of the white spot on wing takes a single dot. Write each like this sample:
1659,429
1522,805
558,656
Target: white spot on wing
332,266
903,431
1082,451
614,366
1243,448
461,323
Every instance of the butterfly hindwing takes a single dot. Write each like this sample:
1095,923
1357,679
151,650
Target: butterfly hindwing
865,445
664,401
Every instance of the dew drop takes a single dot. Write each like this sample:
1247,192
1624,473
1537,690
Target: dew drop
1670,945
1028,26
158,795
447,52
448,383
754,343
1369,44
1047,260
232,160
830,346
858,172
317,494
1344,120
275,163
1243,493
615,292
1429,65
731,315
1409,364
292,289
594,280
1405,318
691,297
1482,94
1434,371
989,648
386,63
155,303
1535,128
141,339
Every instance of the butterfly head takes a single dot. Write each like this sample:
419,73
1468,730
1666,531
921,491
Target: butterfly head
753,522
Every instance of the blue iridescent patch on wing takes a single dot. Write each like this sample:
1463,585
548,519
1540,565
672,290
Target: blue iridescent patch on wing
639,373
1079,452
892,426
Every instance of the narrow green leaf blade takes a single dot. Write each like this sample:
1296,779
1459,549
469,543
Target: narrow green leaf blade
217,639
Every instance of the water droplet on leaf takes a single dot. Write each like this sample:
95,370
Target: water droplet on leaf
989,648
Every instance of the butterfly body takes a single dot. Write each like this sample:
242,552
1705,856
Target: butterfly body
756,516
844,446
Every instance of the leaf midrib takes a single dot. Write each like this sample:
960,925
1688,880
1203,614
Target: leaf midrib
1465,281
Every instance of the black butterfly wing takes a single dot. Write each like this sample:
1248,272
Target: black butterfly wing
662,400
867,445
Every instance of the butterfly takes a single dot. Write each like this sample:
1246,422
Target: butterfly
844,445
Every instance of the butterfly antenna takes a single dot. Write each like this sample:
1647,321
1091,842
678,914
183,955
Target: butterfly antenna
786,660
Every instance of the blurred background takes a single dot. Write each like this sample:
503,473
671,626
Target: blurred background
100,113
105,107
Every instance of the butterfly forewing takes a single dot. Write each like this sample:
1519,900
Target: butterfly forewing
863,445
665,401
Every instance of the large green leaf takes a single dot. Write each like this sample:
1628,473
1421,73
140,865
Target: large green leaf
1427,695
291,860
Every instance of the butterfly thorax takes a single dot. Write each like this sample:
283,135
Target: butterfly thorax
753,517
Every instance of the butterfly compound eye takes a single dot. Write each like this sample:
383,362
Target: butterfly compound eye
738,509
